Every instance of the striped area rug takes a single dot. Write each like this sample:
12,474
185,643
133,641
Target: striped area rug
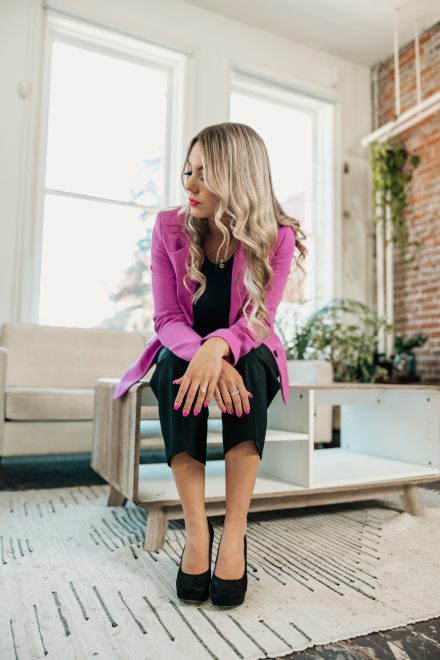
76,583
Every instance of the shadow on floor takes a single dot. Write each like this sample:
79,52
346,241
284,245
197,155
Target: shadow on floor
24,472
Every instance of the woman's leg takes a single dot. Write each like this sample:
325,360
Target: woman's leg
241,467
243,442
185,447
189,475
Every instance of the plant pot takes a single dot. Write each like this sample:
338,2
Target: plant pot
405,364
337,417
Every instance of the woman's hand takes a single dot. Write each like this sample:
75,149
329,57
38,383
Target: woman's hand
229,380
202,372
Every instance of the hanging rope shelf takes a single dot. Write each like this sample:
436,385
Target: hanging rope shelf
422,109
384,230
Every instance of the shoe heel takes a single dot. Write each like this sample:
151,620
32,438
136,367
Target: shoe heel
195,586
229,592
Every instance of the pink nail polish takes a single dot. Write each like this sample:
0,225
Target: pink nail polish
223,410
176,405
196,412
185,413
206,404
239,415
247,411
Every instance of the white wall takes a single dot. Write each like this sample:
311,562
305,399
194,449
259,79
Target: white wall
217,44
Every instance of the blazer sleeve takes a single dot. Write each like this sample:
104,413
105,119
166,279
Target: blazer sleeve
239,336
168,318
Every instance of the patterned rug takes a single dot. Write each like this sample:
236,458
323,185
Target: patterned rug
76,583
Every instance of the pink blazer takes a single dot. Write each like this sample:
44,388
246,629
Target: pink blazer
173,310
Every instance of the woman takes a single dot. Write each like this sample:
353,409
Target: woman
216,339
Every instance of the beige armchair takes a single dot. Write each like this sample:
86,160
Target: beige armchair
48,376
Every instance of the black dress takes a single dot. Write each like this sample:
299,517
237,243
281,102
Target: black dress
258,368
211,311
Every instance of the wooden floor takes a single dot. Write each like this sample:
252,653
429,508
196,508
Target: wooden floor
419,641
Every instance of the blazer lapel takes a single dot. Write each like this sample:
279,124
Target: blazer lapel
238,290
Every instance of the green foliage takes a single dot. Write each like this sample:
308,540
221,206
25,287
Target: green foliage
345,332
407,344
392,169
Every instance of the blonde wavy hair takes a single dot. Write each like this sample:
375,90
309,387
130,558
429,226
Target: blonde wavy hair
236,168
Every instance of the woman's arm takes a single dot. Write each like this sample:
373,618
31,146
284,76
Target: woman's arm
168,319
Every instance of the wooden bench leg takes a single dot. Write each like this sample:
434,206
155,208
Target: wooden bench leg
157,524
115,498
411,500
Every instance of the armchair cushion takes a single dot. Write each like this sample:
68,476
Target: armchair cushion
66,357
49,403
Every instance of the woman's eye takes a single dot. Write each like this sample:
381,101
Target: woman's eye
189,174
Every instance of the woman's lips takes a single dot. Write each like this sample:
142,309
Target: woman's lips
193,202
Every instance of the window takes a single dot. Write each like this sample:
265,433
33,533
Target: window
298,132
107,123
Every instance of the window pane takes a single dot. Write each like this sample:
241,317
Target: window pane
107,126
290,133
95,265
288,136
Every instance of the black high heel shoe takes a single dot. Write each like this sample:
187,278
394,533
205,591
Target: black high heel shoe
195,586
229,592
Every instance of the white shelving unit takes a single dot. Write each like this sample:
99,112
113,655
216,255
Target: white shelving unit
389,443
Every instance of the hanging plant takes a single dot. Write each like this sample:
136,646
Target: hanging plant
392,169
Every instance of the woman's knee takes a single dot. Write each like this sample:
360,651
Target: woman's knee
184,458
244,447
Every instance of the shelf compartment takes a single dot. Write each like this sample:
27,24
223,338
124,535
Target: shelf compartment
336,467
157,486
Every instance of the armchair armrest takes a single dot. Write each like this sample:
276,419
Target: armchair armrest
116,436
3,367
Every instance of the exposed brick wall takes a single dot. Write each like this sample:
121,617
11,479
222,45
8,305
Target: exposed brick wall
417,289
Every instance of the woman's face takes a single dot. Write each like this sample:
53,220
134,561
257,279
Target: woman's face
196,189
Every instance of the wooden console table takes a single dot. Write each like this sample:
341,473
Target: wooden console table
390,443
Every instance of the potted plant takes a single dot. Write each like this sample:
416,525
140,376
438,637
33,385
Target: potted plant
343,333
404,360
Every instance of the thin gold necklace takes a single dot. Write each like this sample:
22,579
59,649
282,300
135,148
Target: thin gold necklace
222,264
222,261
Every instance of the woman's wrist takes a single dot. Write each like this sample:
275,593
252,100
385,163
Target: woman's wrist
219,345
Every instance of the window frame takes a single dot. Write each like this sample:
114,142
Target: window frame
103,40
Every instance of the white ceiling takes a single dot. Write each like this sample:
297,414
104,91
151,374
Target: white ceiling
357,30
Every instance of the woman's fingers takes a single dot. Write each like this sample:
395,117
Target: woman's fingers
203,372
219,399
221,392
186,386
205,397
241,399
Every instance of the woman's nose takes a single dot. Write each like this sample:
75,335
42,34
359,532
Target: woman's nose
190,187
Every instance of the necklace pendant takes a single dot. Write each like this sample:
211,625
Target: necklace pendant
221,265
